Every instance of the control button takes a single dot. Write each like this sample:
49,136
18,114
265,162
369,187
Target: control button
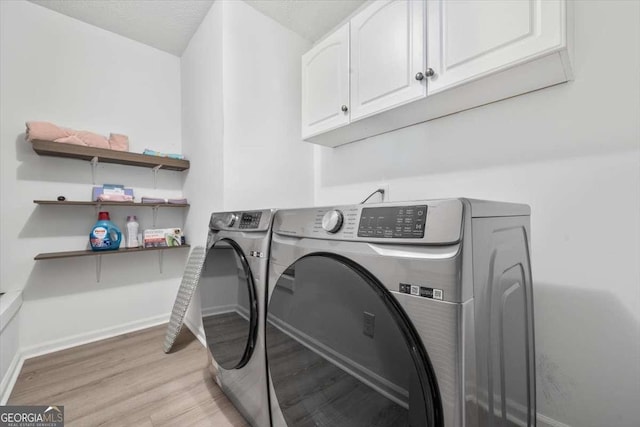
415,290
426,292
332,221
229,219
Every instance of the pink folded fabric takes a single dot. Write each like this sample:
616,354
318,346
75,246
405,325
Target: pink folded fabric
46,131
84,137
119,142
51,132
115,198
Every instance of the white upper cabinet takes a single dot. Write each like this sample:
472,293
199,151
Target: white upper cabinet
325,84
387,53
468,39
402,62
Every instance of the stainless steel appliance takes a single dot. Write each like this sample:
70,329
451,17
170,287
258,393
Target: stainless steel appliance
416,313
232,290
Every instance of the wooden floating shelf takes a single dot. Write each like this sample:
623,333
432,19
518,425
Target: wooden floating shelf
75,254
57,149
134,204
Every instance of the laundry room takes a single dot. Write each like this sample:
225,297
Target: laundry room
280,213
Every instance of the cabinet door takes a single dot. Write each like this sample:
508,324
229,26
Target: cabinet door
468,39
325,84
387,52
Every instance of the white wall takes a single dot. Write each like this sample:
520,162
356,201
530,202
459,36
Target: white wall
572,153
266,164
241,94
202,135
202,123
58,69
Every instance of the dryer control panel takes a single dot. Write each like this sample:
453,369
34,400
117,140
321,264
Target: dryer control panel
247,221
418,222
400,222
250,220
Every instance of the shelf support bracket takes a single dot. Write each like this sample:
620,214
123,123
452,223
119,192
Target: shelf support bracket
155,175
161,259
98,267
155,215
94,167
98,208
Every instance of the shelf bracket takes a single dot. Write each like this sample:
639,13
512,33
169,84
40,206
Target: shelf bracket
155,215
94,167
98,208
160,259
155,175
98,267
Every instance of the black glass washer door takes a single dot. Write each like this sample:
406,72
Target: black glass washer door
229,305
342,352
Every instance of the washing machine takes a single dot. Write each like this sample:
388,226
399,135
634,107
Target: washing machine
232,291
401,314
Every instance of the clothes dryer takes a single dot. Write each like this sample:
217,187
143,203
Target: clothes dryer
232,293
401,314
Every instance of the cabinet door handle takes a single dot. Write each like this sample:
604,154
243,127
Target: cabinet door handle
419,76
344,108
429,73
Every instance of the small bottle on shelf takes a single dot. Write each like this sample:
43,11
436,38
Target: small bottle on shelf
132,232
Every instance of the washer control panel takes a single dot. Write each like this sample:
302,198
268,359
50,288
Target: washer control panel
399,222
437,222
250,220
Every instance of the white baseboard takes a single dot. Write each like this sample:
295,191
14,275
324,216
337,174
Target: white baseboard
52,346
89,337
220,309
243,312
544,421
10,378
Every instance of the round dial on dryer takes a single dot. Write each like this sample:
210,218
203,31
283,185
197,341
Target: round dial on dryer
229,219
332,221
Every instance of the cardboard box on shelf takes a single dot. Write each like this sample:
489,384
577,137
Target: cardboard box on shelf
162,237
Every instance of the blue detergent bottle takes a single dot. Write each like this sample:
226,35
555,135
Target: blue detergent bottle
105,235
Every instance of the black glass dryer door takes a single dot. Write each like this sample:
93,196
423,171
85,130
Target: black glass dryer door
229,305
343,353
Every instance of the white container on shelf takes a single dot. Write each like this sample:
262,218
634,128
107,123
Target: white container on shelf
132,232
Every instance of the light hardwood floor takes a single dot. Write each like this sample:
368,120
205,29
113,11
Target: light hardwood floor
128,381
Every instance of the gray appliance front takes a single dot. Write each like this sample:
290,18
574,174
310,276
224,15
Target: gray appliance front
340,352
320,305
232,291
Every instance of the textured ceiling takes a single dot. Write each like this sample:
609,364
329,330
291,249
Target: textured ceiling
311,19
164,24
169,24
